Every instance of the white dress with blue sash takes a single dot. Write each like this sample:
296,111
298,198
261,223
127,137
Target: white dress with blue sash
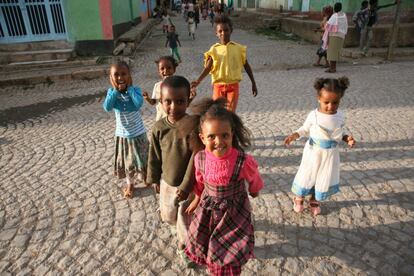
319,169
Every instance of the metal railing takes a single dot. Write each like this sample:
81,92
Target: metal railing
31,20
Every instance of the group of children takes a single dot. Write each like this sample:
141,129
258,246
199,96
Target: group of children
197,162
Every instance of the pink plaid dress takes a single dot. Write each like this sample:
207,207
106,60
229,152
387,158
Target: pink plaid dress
221,233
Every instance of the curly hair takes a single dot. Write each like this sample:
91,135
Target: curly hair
333,85
167,58
222,19
208,109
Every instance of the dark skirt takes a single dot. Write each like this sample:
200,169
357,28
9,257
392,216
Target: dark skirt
131,156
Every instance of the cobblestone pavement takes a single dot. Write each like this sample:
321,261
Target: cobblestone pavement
61,211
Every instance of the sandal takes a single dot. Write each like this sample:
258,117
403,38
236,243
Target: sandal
128,193
298,204
315,207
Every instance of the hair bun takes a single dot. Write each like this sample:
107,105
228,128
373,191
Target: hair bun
343,82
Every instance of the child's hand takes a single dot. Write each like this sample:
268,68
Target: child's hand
156,188
254,90
291,138
193,93
194,84
145,95
254,194
351,142
193,205
181,195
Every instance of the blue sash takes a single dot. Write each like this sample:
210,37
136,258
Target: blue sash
324,144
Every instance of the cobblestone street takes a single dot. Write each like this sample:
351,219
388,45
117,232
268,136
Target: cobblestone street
62,212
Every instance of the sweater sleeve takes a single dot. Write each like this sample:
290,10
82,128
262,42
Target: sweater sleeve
199,181
110,99
304,130
188,180
251,174
136,96
154,159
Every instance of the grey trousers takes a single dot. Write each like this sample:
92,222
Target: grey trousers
365,38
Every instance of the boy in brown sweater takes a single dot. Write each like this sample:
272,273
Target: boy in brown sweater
170,161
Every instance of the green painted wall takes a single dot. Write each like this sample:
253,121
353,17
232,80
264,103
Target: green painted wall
124,11
82,20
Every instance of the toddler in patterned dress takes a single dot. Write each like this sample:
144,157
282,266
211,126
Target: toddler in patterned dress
221,234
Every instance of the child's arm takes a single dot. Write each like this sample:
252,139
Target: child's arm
193,205
302,131
207,69
187,184
250,74
349,140
154,162
250,172
136,97
110,99
148,99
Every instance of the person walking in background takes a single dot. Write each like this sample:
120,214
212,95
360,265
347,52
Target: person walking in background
334,36
321,52
225,61
371,18
173,42
131,143
318,174
191,25
360,17
196,15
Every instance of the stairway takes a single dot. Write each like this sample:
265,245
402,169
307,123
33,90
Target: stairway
44,62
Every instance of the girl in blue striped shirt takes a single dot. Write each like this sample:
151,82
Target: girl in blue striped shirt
131,142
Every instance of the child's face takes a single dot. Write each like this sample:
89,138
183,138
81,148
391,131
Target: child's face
223,32
217,136
165,68
328,101
174,102
120,77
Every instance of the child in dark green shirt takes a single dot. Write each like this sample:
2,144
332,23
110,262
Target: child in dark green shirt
170,161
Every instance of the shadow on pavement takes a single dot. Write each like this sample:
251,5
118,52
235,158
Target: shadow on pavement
20,114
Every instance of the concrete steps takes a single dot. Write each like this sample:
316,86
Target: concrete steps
54,74
37,55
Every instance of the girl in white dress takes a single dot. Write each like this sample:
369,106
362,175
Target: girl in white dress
318,174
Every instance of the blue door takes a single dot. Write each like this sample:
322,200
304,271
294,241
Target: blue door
31,20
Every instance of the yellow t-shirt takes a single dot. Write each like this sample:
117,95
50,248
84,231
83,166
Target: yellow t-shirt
228,62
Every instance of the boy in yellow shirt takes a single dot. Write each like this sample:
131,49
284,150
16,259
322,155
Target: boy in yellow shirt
225,61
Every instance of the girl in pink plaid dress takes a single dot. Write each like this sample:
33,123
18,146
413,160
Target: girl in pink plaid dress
221,234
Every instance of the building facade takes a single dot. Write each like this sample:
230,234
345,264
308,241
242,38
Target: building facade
91,25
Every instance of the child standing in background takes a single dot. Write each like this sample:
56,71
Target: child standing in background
166,68
221,233
225,61
131,143
170,163
173,42
318,174
191,25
